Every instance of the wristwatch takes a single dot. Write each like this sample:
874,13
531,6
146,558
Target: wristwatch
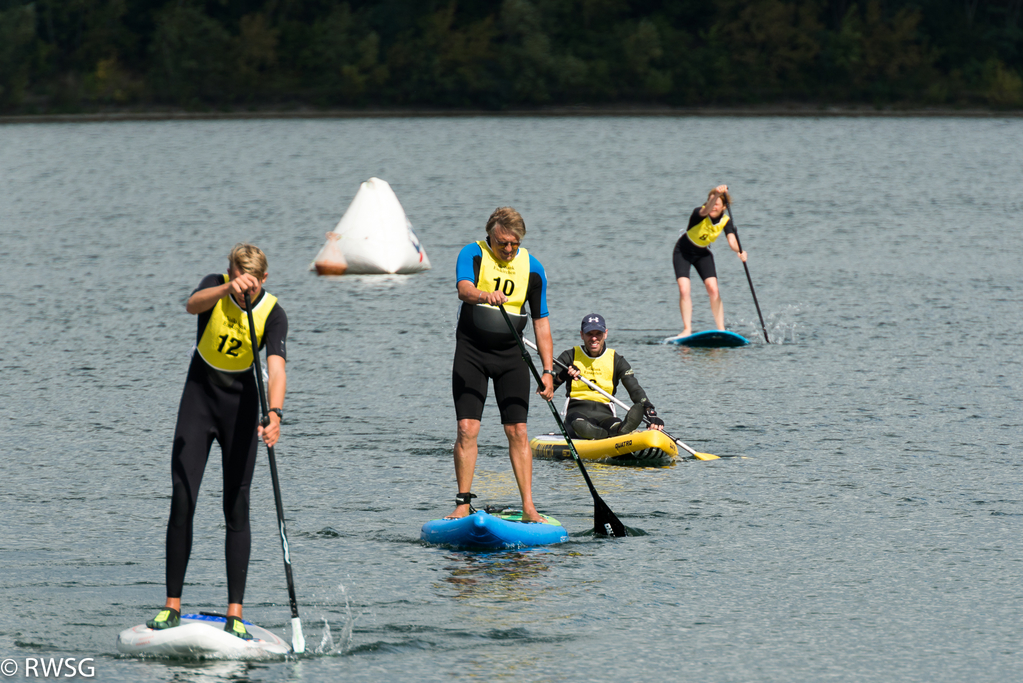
280,413
550,372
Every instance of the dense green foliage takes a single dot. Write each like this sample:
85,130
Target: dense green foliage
81,54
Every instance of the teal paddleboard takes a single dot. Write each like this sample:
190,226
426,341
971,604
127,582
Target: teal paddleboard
709,339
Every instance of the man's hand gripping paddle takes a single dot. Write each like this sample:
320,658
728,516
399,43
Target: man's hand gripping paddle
605,523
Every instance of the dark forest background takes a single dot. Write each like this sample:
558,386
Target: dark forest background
79,55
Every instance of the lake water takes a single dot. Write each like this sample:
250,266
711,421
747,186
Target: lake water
870,532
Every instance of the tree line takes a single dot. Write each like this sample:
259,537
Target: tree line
75,55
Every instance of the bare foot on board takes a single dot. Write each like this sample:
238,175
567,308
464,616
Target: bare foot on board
460,511
532,516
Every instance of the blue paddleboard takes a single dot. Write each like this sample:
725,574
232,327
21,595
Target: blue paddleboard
709,339
486,531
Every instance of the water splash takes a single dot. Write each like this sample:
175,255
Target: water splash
327,645
346,630
781,325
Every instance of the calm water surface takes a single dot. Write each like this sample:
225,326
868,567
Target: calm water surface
869,533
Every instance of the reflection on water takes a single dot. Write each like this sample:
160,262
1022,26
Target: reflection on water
208,671
513,598
506,576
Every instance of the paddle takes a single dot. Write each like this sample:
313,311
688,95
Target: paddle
591,385
297,639
748,278
605,522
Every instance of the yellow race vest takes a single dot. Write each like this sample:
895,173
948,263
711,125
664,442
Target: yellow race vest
706,231
599,370
510,278
226,343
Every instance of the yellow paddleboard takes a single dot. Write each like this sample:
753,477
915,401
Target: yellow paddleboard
647,447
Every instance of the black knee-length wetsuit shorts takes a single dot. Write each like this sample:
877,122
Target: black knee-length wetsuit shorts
470,372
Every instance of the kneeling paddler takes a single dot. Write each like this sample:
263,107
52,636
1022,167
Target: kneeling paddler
589,414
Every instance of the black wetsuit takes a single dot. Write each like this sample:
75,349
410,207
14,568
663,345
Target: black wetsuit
686,253
596,412
224,407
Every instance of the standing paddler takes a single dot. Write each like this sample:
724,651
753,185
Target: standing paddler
693,250
221,401
489,273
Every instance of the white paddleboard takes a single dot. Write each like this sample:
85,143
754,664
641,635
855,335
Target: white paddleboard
201,635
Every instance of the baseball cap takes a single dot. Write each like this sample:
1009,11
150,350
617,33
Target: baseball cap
594,321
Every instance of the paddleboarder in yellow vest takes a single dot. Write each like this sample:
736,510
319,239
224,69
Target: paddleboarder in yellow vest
491,272
589,414
221,401
693,249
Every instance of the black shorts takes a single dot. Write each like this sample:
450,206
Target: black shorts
472,368
686,253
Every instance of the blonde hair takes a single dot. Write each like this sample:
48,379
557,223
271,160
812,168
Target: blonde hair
248,258
509,219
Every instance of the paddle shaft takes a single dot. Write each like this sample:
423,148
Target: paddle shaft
297,638
618,402
611,525
749,279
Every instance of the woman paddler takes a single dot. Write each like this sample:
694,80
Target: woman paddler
221,401
693,249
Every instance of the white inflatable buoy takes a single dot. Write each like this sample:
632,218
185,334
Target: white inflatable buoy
373,237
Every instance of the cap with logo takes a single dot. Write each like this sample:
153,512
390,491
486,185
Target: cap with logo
592,322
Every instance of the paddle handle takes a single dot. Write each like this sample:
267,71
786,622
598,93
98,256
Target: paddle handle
298,639
613,398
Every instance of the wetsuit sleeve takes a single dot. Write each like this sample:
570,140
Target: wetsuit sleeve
536,295
275,333
212,280
730,226
465,268
694,218
566,359
623,372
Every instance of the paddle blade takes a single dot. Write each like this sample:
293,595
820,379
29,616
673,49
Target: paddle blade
297,639
705,456
605,523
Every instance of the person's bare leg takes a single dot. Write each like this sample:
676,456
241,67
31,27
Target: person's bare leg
234,609
717,308
465,461
685,305
522,466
